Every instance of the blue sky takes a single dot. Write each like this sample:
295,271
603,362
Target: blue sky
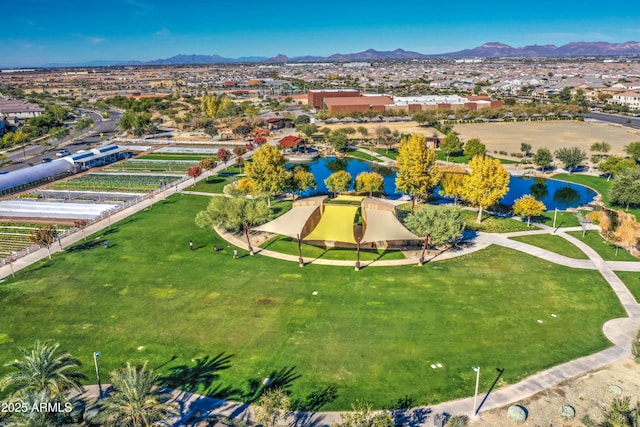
36,32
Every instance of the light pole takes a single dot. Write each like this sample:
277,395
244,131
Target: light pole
555,213
475,396
95,362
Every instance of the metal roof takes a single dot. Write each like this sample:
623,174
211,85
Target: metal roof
35,173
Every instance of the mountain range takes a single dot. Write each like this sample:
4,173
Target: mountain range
487,50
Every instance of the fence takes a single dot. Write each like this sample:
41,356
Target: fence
105,215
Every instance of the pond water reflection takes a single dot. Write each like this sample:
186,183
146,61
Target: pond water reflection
554,194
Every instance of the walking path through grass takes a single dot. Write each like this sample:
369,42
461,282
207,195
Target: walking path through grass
619,331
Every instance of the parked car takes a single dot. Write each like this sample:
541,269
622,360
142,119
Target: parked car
47,160
62,153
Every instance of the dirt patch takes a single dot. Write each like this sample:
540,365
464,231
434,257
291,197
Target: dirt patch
588,394
552,134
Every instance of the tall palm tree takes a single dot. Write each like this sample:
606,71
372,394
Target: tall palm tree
136,400
43,368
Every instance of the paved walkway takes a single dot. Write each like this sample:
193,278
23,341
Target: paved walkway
619,331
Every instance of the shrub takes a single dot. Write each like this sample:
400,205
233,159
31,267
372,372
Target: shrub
568,412
458,421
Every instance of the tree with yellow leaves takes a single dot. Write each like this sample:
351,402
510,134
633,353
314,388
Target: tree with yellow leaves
528,206
487,183
451,181
371,182
418,173
338,181
266,171
213,106
626,235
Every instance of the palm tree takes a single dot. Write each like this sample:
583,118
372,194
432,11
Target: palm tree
136,401
43,368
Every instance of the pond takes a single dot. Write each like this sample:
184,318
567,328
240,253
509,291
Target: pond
554,194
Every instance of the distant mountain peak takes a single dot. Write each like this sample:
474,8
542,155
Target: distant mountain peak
496,45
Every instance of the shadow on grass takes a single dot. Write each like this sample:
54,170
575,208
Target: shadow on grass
404,415
86,246
307,408
198,377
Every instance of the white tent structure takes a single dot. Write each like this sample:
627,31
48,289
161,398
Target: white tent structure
381,223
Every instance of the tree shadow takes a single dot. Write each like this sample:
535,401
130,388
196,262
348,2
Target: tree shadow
281,379
200,376
86,246
404,413
306,409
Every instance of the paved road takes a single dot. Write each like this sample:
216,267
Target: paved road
32,154
614,118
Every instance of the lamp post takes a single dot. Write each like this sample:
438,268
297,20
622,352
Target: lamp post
95,362
555,213
475,396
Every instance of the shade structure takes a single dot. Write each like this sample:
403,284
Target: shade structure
336,225
291,223
381,226
381,223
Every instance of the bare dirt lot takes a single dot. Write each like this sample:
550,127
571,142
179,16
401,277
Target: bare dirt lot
507,137
587,394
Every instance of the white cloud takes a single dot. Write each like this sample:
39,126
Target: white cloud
163,32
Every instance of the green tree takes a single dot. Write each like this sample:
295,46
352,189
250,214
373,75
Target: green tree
59,132
302,118
307,129
338,181
338,140
442,224
528,206
272,407
43,368
451,144
418,173
136,400
486,184
234,214
525,148
424,118
625,190
474,147
300,180
633,150
369,182
571,157
266,170
543,158
32,416
363,131
613,165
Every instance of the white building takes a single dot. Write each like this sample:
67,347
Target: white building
630,99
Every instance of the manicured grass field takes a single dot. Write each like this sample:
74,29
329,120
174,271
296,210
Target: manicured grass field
360,155
442,156
390,153
288,246
212,184
606,250
552,243
373,334
494,224
563,219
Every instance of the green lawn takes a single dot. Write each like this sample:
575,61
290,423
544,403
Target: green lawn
596,183
494,224
442,156
632,280
373,334
390,153
233,169
286,245
605,249
360,155
553,243
212,184
563,219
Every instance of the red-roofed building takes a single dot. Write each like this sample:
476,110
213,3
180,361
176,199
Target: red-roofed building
290,141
